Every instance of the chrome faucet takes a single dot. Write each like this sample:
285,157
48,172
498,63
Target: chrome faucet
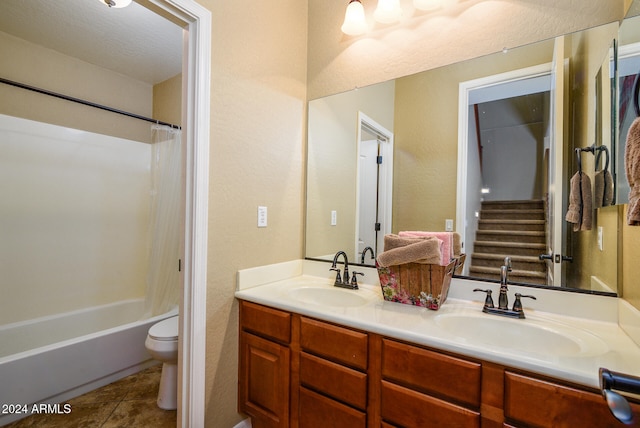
364,252
343,281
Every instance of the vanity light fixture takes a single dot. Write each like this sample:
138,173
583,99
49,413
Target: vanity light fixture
116,4
388,11
354,21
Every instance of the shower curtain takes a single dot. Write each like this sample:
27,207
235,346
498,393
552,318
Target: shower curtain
163,277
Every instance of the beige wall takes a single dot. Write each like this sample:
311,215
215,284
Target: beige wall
587,51
258,115
70,76
425,164
332,165
167,100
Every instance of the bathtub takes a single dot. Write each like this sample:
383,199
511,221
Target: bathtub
52,359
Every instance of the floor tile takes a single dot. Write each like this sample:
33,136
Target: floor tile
128,402
141,413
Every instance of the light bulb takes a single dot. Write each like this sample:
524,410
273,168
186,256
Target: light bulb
354,21
116,4
388,11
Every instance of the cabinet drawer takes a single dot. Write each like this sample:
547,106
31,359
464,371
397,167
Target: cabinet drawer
266,322
408,408
342,383
318,411
339,344
431,372
540,403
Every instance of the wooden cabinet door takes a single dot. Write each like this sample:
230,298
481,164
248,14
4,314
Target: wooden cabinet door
264,381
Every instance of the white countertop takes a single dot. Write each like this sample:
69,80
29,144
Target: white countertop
594,317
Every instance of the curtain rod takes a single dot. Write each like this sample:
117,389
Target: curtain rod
84,102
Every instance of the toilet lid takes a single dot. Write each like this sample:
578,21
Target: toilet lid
165,330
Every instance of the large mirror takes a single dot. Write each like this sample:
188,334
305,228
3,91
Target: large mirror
502,133
628,72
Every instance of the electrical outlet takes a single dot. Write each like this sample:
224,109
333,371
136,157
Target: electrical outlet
262,216
600,243
334,218
448,225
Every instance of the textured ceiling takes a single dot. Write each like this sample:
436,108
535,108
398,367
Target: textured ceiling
132,41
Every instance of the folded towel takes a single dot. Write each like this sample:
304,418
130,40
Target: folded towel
451,246
457,244
602,189
392,241
425,251
632,169
580,207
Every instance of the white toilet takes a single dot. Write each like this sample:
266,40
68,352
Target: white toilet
162,344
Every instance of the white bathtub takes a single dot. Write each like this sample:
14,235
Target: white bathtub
53,359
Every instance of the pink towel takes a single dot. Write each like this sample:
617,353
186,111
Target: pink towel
447,238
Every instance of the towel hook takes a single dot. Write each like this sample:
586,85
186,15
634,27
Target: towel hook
579,158
604,149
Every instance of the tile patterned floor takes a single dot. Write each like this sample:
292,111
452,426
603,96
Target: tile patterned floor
127,403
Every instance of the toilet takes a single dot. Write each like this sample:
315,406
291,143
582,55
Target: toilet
162,344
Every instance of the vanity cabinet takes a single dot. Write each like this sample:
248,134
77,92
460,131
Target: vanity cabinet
302,372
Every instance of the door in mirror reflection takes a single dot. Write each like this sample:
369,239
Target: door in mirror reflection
375,159
509,152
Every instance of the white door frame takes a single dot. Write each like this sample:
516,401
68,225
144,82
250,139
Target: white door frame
464,90
385,196
196,78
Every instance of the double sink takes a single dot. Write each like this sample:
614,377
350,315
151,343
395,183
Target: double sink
465,322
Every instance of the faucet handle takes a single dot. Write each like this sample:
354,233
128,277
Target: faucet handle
338,277
354,279
488,302
517,304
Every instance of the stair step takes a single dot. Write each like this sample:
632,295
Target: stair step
507,224
529,263
510,248
511,236
516,229
514,276
512,214
514,272
534,204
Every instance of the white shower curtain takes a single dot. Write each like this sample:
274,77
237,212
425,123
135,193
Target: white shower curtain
163,277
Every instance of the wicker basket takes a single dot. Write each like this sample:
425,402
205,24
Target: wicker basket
417,284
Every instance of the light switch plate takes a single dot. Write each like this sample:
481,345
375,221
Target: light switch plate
448,225
334,218
262,216
600,243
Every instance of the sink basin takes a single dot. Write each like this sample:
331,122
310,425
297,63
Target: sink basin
330,296
530,336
